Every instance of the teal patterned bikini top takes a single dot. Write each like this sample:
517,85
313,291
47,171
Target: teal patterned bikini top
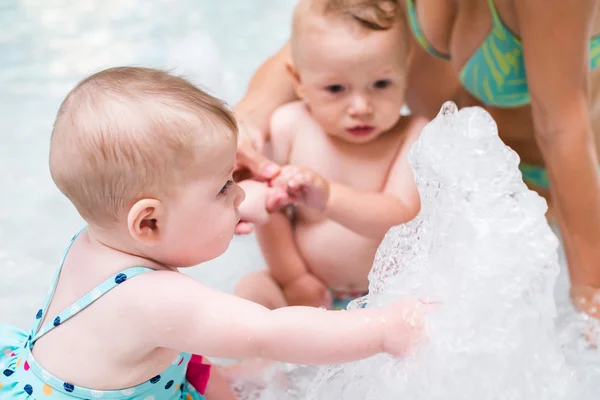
495,73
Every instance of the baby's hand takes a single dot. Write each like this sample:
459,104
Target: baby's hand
298,185
252,209
307,290
405,326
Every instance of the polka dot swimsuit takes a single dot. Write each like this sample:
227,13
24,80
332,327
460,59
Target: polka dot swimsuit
22,378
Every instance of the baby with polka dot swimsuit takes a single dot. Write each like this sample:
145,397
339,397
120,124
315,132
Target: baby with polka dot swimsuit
146,158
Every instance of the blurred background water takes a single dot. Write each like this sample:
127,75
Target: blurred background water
46,47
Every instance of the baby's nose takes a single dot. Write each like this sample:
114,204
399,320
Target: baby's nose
360,106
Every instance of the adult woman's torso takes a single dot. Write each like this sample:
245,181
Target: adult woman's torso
458,28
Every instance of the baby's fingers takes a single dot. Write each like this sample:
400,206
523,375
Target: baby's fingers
243,228
295,188
276,200
299,181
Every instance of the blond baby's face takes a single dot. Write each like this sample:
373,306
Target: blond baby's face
201,216
353,86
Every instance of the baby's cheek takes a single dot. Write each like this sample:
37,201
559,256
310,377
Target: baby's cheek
329,118
223,217
391,117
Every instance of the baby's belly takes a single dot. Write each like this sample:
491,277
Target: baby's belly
339,257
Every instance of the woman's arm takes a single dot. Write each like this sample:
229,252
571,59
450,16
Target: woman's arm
556,40
269,88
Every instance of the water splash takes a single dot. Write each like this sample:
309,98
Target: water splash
482,246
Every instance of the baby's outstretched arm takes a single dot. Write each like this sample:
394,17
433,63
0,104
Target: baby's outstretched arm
185,315
373,214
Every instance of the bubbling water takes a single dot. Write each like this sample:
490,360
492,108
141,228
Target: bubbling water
481,246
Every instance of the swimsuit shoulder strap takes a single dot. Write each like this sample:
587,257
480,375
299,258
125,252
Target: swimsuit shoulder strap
499,29
418,33
496,20
48,299
89,298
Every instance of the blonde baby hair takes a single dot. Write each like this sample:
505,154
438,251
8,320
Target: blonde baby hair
127,133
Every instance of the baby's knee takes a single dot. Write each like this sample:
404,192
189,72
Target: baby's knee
245,284
260,288
253,283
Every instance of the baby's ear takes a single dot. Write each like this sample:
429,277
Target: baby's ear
144,220
295,75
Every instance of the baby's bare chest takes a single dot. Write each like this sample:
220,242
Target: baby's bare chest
360,166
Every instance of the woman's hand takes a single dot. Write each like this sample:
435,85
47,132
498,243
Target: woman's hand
250,162
269,88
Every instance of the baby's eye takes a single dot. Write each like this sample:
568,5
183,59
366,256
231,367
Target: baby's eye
383,83
335,88
225,187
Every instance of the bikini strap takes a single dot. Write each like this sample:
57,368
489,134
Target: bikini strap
88,299
48,299
496,20
418,33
